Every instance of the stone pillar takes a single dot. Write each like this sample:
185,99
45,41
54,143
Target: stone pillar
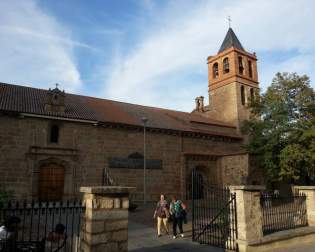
309,192
249,214
105,222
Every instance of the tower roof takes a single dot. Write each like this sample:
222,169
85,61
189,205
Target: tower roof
231,40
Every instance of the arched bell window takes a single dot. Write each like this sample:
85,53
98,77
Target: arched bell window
240,65
215,70
54,134
226,65
243,95
250,69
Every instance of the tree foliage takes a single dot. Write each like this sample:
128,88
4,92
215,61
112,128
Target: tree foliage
5,196
282,128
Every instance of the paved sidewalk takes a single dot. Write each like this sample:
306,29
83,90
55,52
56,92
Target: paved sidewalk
143,237
309,247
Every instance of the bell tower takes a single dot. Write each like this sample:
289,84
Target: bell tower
232,81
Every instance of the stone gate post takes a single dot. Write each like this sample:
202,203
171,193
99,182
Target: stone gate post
104,225
309,192
249,214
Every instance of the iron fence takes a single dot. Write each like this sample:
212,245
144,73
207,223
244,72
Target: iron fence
283,213
214,215
40,226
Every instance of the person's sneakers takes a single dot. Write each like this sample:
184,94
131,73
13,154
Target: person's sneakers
174,236
182,235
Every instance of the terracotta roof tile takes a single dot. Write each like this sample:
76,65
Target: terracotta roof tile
23,99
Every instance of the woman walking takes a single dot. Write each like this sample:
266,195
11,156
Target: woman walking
177,210
162,214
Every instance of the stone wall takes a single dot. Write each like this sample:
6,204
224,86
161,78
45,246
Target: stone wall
235,169
104,225
84,151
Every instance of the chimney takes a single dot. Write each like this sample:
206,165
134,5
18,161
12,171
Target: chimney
199,103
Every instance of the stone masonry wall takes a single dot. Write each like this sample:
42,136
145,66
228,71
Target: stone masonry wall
84,150
104,225
235,169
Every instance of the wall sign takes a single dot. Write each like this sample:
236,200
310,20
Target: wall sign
134,163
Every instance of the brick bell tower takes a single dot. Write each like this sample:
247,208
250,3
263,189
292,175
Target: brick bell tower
232,82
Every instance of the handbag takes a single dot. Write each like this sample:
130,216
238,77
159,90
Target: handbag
167,213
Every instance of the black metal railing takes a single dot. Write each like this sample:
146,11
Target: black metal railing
214,215
283,213
107,180
40,226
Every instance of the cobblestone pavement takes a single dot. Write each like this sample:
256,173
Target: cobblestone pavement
143,237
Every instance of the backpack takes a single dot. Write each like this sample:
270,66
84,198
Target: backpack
178,209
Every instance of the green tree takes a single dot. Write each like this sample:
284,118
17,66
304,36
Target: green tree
5,196
282,128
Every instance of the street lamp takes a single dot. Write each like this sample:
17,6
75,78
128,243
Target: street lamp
144,121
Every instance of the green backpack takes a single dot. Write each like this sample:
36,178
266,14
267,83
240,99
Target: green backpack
178,209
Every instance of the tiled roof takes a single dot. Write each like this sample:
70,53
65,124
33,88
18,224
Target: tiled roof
230,40
23,99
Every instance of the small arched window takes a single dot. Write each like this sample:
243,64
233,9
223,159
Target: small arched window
215,70
226,65
54,134
243,95
252,95
250,69
240,65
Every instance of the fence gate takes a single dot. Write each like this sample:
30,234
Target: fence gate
213,215
40,226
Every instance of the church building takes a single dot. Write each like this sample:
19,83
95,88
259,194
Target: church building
53,142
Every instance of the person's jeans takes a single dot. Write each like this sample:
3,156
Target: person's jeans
177,222
159,223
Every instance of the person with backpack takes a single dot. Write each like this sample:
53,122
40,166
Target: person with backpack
162,215
177,210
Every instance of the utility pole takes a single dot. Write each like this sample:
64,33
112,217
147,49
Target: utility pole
144,120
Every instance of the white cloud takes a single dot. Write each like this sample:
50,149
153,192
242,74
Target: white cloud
185,36
301,64
35,48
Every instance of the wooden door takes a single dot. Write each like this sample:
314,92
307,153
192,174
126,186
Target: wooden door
51,182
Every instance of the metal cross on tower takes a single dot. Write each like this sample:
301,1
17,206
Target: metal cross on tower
230,20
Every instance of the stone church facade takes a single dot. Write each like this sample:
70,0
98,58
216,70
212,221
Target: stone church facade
52,142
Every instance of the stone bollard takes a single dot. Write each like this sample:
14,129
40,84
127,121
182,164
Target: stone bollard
249,214
104,225
309,192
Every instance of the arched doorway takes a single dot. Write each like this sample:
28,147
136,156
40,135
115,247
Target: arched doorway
200,179
51,182
197,176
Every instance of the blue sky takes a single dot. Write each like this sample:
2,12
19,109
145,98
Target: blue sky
150,52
